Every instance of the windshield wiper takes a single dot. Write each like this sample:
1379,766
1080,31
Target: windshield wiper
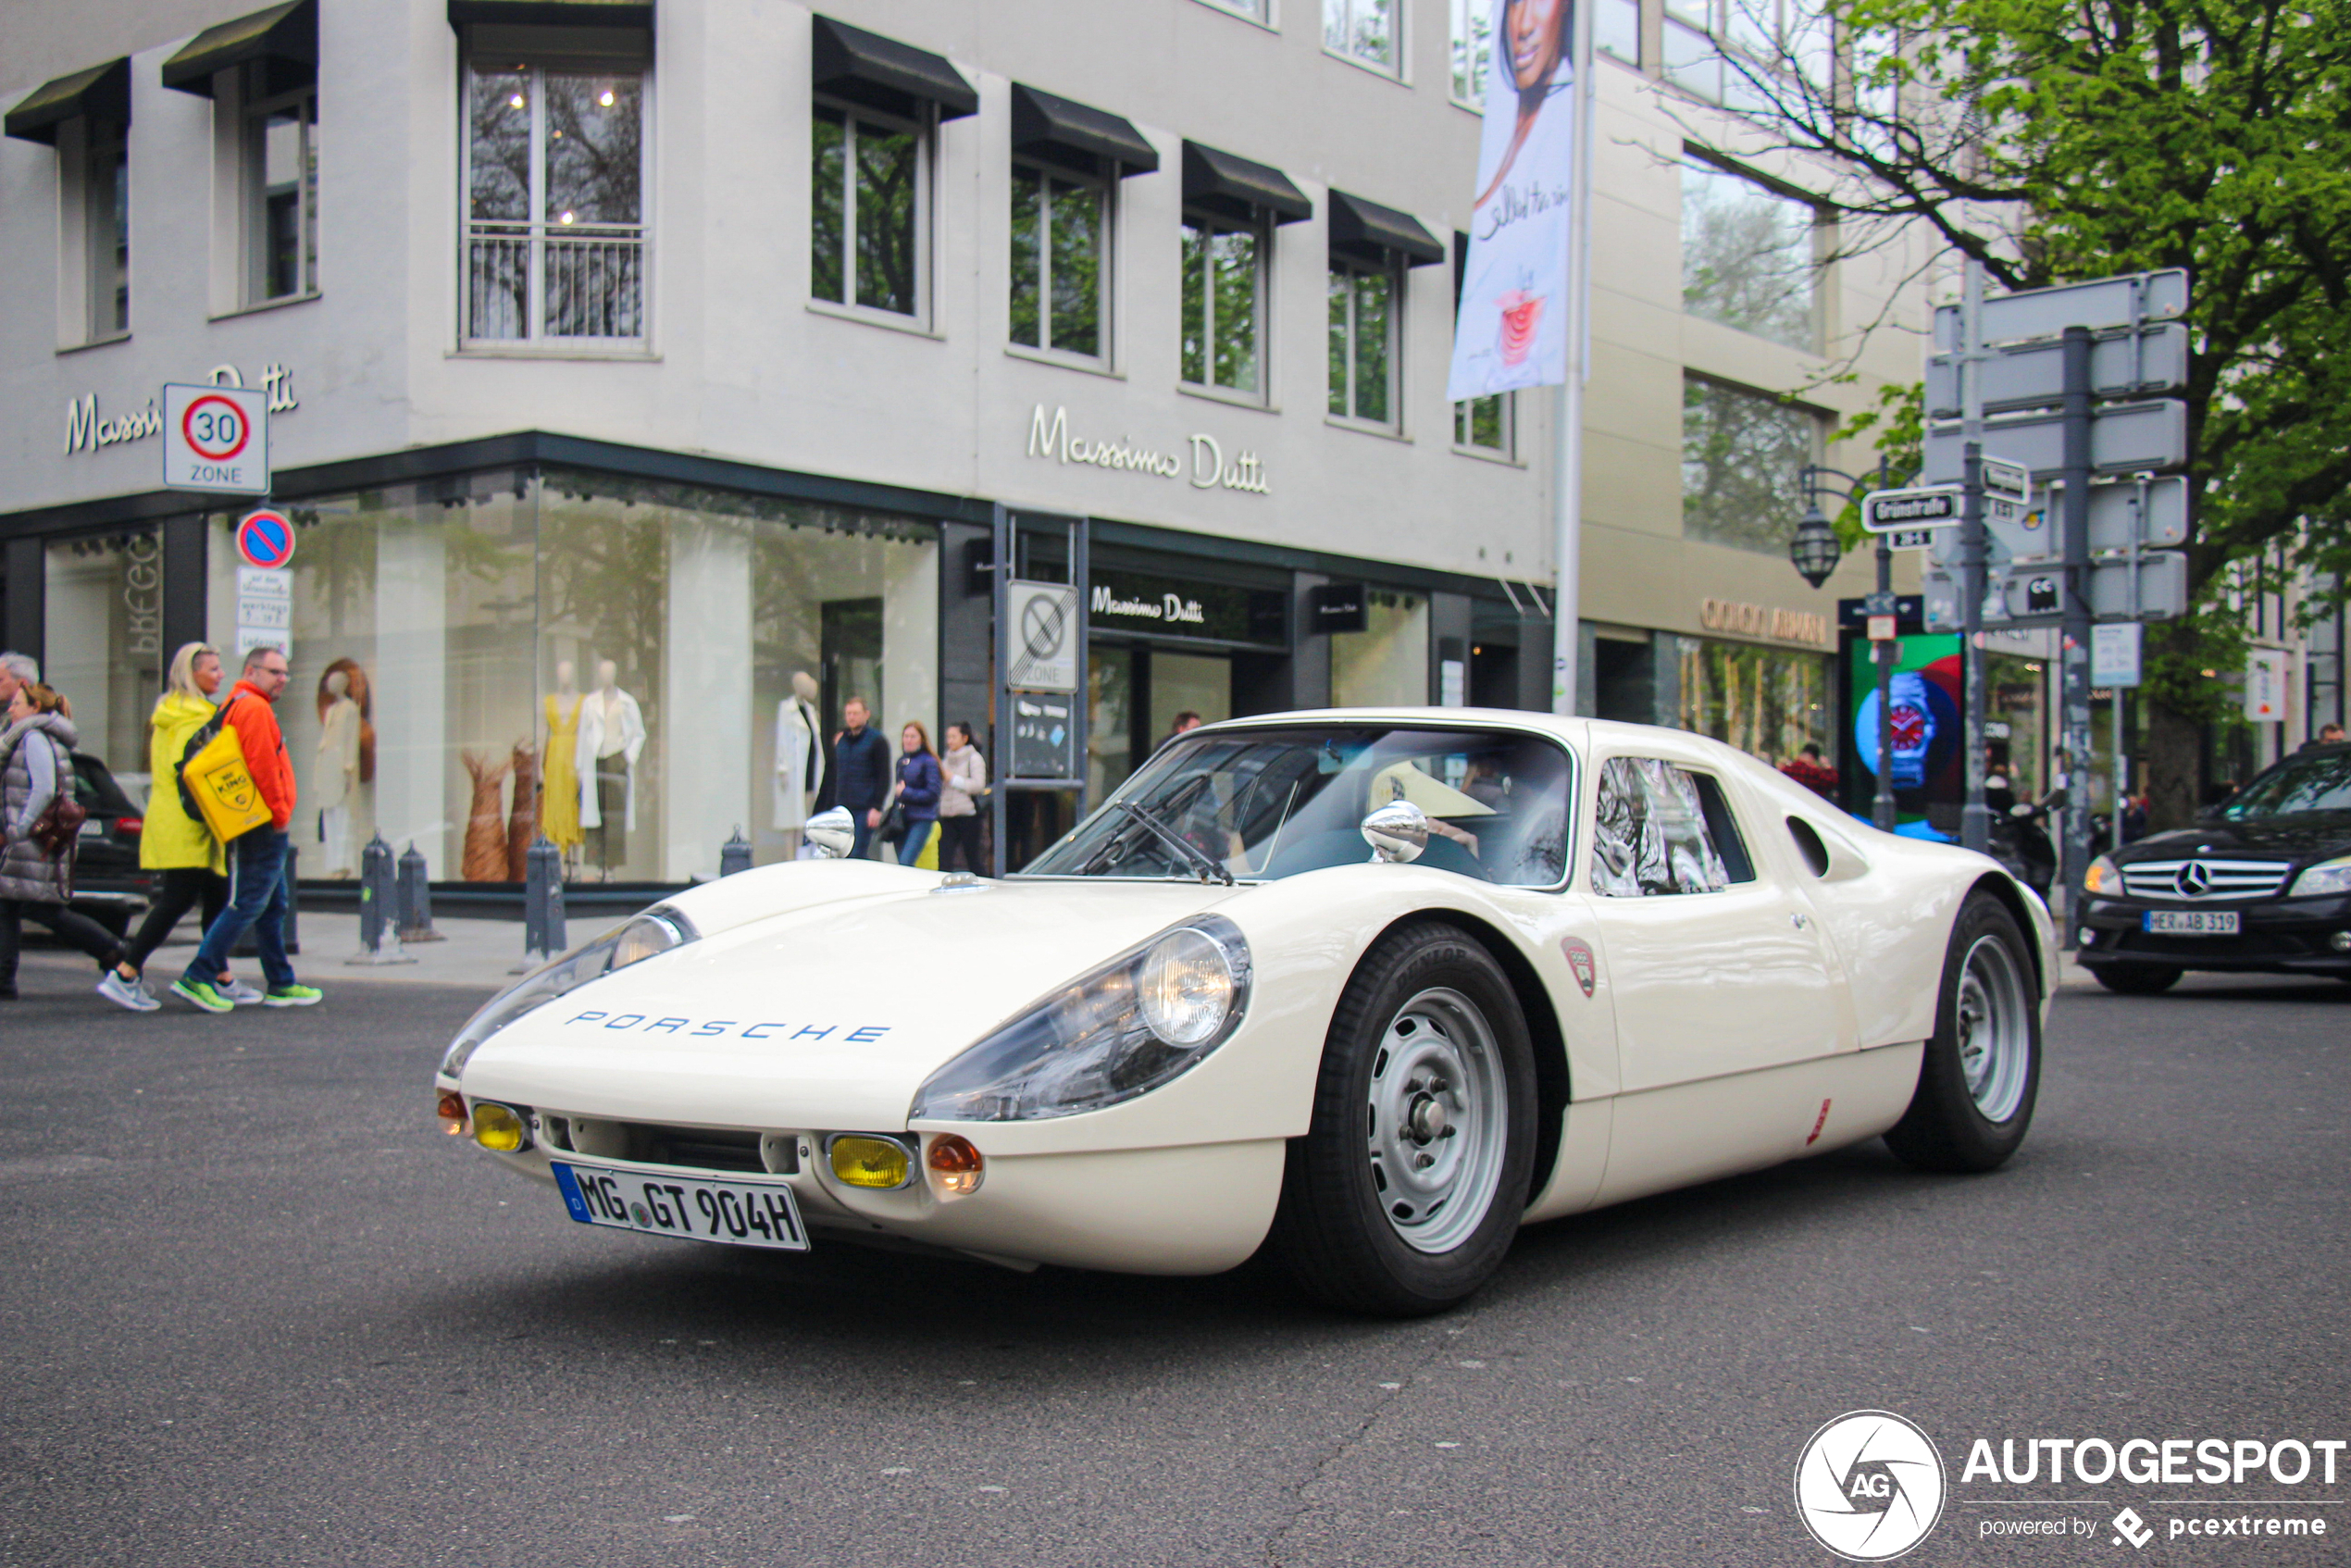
1166,835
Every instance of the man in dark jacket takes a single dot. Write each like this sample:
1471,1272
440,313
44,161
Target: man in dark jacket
861,772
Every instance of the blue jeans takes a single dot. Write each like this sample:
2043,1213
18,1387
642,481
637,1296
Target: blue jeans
864,835
918,835
256,898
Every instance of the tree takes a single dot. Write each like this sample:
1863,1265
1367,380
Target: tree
2054,140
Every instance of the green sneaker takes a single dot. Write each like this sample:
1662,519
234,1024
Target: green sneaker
293,996
197,993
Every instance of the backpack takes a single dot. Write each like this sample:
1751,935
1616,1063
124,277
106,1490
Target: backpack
203,736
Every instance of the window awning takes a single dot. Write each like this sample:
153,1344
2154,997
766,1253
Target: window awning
634,14
1374,232
285,36
1056,130
882,73
102,92
1238,188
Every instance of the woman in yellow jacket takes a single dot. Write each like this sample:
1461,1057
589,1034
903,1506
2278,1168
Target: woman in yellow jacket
189,864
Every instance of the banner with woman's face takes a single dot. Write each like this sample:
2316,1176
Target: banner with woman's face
1515,314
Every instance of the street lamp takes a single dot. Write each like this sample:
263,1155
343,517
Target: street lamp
1814,549
1816,552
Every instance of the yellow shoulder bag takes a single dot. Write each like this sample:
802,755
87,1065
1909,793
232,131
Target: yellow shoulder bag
217,780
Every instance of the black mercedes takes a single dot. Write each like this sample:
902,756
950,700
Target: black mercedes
2263,881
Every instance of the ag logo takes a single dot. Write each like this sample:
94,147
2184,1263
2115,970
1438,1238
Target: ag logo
1868,1486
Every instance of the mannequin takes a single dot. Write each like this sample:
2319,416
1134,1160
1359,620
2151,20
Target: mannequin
337,774
611,734
559,810
800,758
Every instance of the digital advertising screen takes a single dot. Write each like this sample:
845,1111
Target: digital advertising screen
1925,693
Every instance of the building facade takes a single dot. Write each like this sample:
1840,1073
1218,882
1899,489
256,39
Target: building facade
630,362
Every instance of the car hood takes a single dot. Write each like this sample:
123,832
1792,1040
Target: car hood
827,1016
2306,836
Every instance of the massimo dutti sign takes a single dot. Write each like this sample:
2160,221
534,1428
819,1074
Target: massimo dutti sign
1200,459
87,431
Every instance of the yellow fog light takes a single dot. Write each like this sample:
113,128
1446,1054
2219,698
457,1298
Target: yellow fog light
499,1127
958,1166
867,1160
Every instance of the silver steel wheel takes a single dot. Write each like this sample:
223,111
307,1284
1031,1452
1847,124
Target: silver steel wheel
1995,1028
1438,1120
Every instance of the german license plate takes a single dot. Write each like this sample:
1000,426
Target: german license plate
2192,922
739,1211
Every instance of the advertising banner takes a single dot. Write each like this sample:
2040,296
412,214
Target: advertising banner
1515,313
1926,760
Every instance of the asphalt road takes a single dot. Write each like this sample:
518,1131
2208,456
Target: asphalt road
257,1310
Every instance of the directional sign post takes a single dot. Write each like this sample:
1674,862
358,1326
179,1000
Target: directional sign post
215,438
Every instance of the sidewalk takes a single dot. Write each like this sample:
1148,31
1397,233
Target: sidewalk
480,955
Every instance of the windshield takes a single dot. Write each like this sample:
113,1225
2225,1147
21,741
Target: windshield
1265,803
2318,782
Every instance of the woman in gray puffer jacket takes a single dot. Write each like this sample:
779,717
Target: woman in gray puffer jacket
36,761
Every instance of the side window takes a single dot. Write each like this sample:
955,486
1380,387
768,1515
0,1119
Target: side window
1660,829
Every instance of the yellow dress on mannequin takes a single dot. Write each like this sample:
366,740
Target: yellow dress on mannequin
559,805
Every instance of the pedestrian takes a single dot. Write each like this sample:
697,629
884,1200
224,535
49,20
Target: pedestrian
1184,722
15,670
191,866
861,769
257,897
918,789
965,781
1809,768
36,765
2328,735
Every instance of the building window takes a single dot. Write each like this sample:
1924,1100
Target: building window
105,204
1362,30
1487,424
1365,301
870,221
1716,48
1255,10
1473,29
281,154
555,236
1742,453
1616,29
1060,254
1748,256
1224,304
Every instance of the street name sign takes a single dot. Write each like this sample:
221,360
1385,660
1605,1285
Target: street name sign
1884,511
2127,301
215,438
2124,438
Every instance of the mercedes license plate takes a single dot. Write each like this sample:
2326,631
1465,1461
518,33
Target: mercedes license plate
2192,922
741,1211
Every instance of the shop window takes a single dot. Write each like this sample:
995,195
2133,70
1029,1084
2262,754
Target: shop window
1769,703
1656,831
869,228
279,155
556,238
1061,262
1385,665
1366,302
1362,30
104,649
1225,288
1742,457
1750,256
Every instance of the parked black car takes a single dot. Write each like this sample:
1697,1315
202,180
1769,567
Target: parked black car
2262,882
107,883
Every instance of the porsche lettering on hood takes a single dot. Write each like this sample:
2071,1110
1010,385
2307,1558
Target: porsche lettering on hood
646,1023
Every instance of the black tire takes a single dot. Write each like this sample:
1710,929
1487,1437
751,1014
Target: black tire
2135,980
1947,1127
1333,1229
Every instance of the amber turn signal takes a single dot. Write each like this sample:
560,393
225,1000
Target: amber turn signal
958,1166
452,1112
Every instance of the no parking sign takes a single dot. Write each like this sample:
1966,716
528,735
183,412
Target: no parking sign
266,539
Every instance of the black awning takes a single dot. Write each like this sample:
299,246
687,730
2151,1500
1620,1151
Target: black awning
286,36
1374,232
1055,131
102,92
882,73
1239,189
635,14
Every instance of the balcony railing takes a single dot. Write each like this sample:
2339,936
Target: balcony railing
528,282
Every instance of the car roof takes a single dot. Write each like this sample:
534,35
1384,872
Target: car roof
1577,732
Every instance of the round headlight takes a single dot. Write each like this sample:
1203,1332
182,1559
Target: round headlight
644,937
1186,989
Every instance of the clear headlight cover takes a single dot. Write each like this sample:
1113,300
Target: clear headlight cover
2102,877
639,937
2327,877
1137,1022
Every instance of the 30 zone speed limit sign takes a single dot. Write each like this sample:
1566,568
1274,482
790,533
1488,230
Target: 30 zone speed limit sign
216,438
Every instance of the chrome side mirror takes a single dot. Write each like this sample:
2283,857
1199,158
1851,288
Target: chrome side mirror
1398,832
832,834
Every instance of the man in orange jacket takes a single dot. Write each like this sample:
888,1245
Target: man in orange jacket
257,896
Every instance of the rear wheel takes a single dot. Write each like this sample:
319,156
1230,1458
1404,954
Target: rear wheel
1405,1192
2136,979
1980,1072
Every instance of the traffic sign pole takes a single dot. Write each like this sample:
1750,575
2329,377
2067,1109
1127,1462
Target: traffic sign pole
2074,647
1975,817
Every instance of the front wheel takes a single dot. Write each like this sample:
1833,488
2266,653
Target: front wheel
1981,1070
1405,1192
2136,979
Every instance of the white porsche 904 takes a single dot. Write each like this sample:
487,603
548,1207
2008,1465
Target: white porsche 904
1577,963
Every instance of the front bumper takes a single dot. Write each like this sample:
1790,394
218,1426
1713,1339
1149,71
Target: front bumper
2292,936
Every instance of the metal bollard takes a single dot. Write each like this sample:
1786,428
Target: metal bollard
543,903
734,855
414,923
379,895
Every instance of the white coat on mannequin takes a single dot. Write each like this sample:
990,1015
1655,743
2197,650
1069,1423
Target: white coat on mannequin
800,755
622,728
